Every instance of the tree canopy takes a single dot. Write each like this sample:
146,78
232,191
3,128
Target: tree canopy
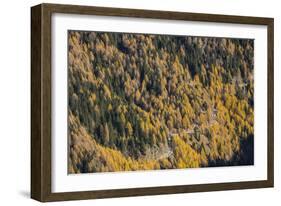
143,101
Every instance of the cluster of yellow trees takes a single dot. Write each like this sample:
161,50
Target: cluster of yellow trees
139,101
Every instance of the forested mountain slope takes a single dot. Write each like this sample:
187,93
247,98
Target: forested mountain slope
139,101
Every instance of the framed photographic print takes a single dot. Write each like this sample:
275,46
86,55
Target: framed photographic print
132,102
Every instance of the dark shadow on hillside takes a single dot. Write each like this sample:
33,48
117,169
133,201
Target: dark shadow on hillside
244,157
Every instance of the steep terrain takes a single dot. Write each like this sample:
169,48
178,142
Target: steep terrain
139,101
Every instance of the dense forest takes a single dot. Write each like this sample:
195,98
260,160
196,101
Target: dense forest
146,102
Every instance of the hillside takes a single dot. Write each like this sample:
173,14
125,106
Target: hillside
140,101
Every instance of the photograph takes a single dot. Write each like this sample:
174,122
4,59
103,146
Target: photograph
133,102
139,101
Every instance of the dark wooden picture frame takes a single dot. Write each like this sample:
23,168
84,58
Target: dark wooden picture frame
41,117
